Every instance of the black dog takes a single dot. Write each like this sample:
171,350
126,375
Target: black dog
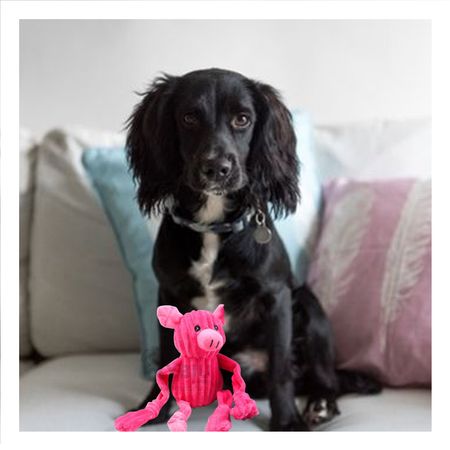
213,151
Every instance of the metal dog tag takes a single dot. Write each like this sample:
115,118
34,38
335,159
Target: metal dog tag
262,233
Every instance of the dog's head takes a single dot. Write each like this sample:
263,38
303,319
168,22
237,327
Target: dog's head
213,132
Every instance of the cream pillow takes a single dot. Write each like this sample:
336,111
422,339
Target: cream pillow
81,296
374,149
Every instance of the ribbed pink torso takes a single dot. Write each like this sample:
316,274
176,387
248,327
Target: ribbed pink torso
197,381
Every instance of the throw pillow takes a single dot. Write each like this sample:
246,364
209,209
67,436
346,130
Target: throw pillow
112,181
372,272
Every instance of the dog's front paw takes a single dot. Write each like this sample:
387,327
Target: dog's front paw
295,423
319,411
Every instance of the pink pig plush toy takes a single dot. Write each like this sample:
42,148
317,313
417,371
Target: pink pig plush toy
197,380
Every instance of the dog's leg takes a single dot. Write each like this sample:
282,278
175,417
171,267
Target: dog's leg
314,351
316,356
285,416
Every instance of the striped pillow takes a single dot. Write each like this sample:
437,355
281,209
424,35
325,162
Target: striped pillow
372,272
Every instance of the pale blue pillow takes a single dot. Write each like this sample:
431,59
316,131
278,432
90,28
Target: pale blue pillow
112,181
299,230
135,234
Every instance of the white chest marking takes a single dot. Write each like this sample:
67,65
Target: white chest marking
213,210
202,269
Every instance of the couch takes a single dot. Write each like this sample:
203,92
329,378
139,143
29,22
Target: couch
79,338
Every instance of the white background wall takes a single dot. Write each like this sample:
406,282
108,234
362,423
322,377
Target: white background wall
85,72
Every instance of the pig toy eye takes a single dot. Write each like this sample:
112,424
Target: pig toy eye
216,327
197,328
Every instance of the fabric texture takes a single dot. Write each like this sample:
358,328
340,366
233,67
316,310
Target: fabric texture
80,291
372,273
110,177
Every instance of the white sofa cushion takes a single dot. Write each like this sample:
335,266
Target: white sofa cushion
79,393
377,149
87,392
26,365
392,410
80,292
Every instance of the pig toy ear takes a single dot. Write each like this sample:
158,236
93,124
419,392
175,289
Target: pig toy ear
168,316
219,314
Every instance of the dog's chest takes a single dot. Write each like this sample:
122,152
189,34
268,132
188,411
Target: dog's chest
202,268
202,271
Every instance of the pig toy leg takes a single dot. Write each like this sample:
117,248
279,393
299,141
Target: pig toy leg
220,418
178,422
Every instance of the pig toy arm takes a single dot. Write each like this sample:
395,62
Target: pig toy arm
133,420
244,406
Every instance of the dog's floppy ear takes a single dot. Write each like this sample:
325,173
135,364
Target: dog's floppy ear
152,145
273,162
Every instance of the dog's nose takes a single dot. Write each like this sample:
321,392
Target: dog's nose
210,340
216,169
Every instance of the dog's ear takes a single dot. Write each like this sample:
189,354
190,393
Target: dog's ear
152,145
273,164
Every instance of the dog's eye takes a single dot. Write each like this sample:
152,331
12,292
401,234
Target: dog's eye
197,328
240,121
190,119
216,327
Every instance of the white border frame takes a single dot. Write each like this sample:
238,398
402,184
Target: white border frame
12,12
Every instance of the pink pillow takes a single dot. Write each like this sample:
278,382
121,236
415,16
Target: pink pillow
372,273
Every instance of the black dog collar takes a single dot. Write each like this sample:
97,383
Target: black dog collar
217,227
